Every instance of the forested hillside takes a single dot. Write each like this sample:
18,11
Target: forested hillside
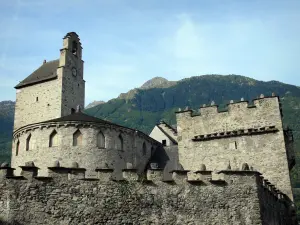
7,109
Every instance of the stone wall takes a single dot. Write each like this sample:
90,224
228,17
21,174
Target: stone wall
87,155
66,198
30,110
252,134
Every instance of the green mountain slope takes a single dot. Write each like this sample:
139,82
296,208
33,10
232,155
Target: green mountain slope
7,109
147,106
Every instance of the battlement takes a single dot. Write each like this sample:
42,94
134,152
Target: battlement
138,198
180,177
213,108
264,112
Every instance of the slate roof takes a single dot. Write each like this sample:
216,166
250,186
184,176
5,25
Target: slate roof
79,116
45,72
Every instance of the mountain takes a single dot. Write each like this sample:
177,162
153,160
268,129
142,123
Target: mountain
143,107
158,82
94,103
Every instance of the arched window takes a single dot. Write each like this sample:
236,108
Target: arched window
119,143
100,140
28,142
77,138
74,48
17,148
144,149
53,140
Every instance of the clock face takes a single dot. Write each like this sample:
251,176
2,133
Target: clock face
74,72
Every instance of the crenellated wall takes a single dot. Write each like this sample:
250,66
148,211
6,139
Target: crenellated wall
244,133
66,197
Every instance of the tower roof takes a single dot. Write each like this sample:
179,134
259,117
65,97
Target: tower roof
71,34
79,116
45,72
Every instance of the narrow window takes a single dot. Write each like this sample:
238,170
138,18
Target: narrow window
74,48
17,148
119,143
100,140
28,142
37,99
164,142
77,138
235,145
53,139
144,149
73,111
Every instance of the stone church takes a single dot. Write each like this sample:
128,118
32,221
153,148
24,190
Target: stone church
49,126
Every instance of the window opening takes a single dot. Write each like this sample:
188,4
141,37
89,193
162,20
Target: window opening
144,149
119,143
53,141
74,48
77,138
100,140
164,142
17,148
28,142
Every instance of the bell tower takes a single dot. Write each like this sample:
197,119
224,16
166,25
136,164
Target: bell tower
54,89
70,73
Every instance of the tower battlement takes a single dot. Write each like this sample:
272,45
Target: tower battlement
264,112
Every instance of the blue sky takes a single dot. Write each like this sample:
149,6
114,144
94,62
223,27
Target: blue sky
127,42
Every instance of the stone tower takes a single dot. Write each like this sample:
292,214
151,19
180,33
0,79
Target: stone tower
54,89
245,133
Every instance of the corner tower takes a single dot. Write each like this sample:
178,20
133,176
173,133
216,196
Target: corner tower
54,89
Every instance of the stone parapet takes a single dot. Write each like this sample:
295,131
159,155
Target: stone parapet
130,200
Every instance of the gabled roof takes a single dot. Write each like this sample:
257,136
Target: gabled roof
172,129
45,72
79,116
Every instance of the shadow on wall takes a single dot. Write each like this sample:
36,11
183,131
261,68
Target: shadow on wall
10,223
166,158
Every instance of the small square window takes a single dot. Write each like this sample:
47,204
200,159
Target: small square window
164,142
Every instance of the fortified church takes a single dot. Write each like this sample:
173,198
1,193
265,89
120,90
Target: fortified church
215,167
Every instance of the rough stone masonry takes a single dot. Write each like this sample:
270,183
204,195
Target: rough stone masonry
66,197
